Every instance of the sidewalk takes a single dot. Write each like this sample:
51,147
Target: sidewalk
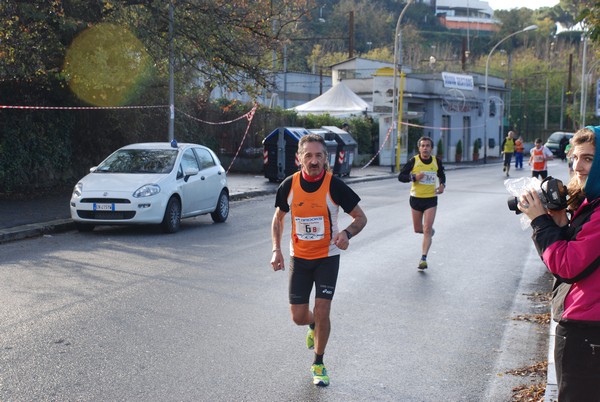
49,213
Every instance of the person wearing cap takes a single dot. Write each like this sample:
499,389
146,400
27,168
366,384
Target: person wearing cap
568,242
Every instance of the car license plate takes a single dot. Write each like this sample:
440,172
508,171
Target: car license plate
104,207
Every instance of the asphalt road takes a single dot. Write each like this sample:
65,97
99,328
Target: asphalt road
132,314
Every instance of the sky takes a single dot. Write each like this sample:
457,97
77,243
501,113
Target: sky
532,4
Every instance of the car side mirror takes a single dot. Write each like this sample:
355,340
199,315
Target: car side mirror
189,171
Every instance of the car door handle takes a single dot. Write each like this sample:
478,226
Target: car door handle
202,178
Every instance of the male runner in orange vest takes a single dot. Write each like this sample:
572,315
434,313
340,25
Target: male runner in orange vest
539,155
313,196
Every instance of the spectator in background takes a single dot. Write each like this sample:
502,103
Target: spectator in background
519,148
569,157
562,145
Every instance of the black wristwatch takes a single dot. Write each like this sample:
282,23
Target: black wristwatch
348,234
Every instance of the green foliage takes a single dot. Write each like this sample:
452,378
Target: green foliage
220,43
440,149
476,146
459,147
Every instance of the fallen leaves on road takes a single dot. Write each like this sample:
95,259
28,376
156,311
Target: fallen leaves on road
539,296
536,369
543,318
532,392
529,393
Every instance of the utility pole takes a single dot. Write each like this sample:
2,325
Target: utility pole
171,80
351,35
569,122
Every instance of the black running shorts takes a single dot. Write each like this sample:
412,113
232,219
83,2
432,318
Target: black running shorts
421,204
322,272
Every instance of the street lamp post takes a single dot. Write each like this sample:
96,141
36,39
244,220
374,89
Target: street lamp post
584,90
397,106
486,107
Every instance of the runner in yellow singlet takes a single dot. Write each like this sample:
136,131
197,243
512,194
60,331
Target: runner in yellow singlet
423,171
508,149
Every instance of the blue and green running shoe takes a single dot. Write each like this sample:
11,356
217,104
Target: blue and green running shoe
310,338
319,373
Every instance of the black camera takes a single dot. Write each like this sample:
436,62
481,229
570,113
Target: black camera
552,193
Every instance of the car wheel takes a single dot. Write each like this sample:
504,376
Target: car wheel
172,218
222,211
84,227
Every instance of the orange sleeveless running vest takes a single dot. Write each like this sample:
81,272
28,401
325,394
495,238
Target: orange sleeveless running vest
314,220
539,160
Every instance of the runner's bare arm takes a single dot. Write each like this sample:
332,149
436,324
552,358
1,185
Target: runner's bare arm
359,220
277,262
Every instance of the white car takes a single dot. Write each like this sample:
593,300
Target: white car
152,183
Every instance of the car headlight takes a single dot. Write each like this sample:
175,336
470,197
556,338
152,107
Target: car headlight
78,189
146,190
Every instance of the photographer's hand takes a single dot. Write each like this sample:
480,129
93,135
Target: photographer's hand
559,217
531,205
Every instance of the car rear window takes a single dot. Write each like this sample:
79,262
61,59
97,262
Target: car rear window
555,137
139,161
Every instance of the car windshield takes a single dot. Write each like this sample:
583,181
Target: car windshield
139,161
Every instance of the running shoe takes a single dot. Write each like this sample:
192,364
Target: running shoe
319,373
310,338
422,264
504,168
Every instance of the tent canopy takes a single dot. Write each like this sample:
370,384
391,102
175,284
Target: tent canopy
339,101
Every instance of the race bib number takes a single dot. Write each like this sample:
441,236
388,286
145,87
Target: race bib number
429,178
310,228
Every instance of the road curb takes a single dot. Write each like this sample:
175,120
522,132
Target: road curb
35,230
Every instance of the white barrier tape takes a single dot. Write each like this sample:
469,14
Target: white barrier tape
250,117
220,122
387,136
80,107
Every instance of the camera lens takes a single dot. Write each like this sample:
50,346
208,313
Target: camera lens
513,203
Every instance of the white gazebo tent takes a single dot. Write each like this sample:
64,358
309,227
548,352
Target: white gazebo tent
338,101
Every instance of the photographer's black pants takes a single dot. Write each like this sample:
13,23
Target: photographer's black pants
577,360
